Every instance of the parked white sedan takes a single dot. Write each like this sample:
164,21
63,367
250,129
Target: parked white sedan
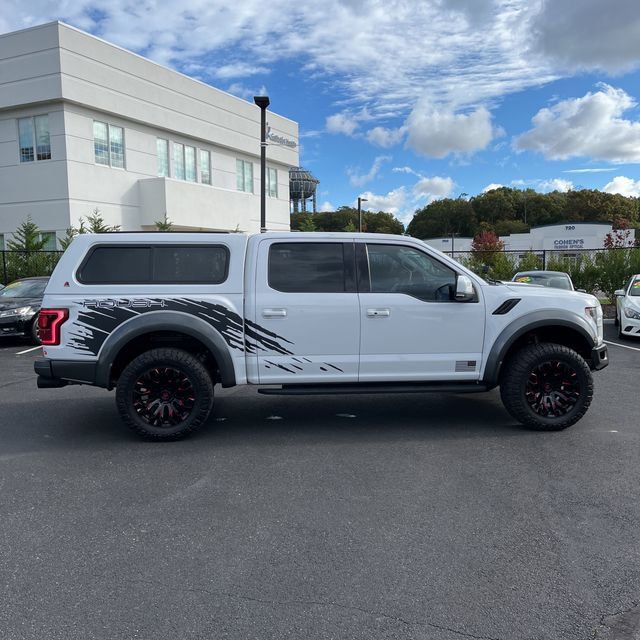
628,308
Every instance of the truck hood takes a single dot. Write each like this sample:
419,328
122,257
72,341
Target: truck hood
528,291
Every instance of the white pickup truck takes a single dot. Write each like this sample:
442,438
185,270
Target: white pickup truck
163,317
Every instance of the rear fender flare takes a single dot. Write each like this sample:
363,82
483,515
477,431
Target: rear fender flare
154,321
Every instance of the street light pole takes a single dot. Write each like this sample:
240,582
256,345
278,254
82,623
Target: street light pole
360,201
263,103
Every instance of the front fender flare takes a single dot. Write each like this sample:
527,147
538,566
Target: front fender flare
525,324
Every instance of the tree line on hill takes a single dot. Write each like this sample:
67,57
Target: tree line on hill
502,211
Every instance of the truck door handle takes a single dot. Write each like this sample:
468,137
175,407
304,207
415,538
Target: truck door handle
378,313
274,313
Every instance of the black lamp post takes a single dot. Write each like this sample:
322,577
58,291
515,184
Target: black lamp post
360,201
263,103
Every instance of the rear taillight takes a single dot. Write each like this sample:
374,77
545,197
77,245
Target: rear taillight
49,323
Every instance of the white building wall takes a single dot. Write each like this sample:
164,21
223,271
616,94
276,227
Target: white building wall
77,79
38,189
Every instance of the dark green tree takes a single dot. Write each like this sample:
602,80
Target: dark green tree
442,218
164,225
27,237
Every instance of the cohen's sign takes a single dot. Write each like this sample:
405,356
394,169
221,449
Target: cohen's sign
281,140
572,243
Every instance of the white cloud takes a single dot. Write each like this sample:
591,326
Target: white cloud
406,169
556,184
237,70
395,55
590,126
460,53
358,180
437,133
384,137
393,202
492,186
433,188
327,206
624,186
247,93
588,34
342,123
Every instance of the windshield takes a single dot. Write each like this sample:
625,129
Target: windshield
634,289
546,280
24,289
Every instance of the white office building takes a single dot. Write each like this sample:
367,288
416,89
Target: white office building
85,124
567,237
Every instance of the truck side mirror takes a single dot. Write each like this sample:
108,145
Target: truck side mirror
464,289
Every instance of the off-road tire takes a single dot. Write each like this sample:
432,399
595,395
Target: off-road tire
516,375
175,360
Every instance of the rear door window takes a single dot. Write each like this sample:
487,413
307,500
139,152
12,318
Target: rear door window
307,267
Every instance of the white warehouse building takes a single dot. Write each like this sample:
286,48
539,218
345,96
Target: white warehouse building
85,124
567,237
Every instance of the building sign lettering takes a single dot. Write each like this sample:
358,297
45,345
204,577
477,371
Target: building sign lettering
285,142
573,243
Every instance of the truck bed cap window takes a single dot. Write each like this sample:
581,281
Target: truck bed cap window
155,264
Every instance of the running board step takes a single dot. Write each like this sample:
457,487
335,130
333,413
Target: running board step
385,387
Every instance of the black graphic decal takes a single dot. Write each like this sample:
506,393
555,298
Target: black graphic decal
280,366
100,317
259,338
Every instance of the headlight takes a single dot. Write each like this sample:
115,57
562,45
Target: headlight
20,311
595,314
632,313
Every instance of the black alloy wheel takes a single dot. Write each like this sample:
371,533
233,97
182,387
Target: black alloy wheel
164,394
553,388
546,386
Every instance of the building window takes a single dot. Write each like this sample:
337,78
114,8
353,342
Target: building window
1,241
190,164
50,240
205,167
272,183
163,157
178,161
34,138
108,144
244,176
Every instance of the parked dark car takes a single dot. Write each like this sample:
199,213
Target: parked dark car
20,304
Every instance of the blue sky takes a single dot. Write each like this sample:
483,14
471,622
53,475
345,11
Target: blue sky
403,102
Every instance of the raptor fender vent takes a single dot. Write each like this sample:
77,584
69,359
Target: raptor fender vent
506,306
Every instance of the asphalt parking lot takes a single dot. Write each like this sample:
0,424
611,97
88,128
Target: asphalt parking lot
354,517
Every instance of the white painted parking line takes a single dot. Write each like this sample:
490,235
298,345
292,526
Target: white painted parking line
27,350
624,346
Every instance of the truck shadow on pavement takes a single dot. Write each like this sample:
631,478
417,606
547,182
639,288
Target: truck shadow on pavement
240,416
